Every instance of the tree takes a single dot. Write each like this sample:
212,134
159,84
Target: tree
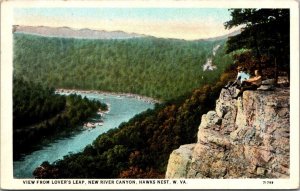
266,33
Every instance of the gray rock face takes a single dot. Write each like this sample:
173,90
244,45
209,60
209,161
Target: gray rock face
266,87
268,82
244,138
180,161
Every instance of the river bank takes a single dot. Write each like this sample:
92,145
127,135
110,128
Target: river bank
120,110
128,95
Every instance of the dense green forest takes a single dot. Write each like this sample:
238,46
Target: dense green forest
141,147
159,68
39,113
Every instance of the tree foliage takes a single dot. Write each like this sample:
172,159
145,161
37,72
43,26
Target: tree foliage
39,113
158,68
33,103
265,33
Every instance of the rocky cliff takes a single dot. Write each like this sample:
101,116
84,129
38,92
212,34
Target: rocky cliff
243,138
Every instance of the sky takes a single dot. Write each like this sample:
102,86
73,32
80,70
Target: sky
180,23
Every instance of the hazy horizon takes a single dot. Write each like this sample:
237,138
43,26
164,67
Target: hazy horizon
178,23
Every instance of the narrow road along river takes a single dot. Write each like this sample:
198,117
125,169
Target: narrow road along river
121,109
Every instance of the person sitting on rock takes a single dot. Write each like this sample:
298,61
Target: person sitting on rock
250,84
241,77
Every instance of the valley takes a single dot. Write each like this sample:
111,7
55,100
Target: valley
159,68
142,69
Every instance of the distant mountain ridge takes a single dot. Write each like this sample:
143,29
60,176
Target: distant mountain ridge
86,33
68,32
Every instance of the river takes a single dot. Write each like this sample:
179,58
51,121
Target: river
122,108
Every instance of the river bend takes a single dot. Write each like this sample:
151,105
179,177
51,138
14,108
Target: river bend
122,108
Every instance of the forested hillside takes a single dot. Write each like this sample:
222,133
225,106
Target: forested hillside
141,147
39,113
158,68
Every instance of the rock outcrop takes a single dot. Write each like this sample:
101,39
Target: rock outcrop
243,138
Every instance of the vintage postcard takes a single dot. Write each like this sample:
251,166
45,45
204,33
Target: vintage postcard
149,95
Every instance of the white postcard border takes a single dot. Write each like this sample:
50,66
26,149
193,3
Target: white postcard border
7,180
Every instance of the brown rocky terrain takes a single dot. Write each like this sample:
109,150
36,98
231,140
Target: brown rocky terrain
244,138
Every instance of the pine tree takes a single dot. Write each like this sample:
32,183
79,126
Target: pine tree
266,32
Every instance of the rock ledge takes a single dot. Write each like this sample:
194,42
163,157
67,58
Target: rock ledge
244,138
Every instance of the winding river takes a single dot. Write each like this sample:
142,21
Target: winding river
122,108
